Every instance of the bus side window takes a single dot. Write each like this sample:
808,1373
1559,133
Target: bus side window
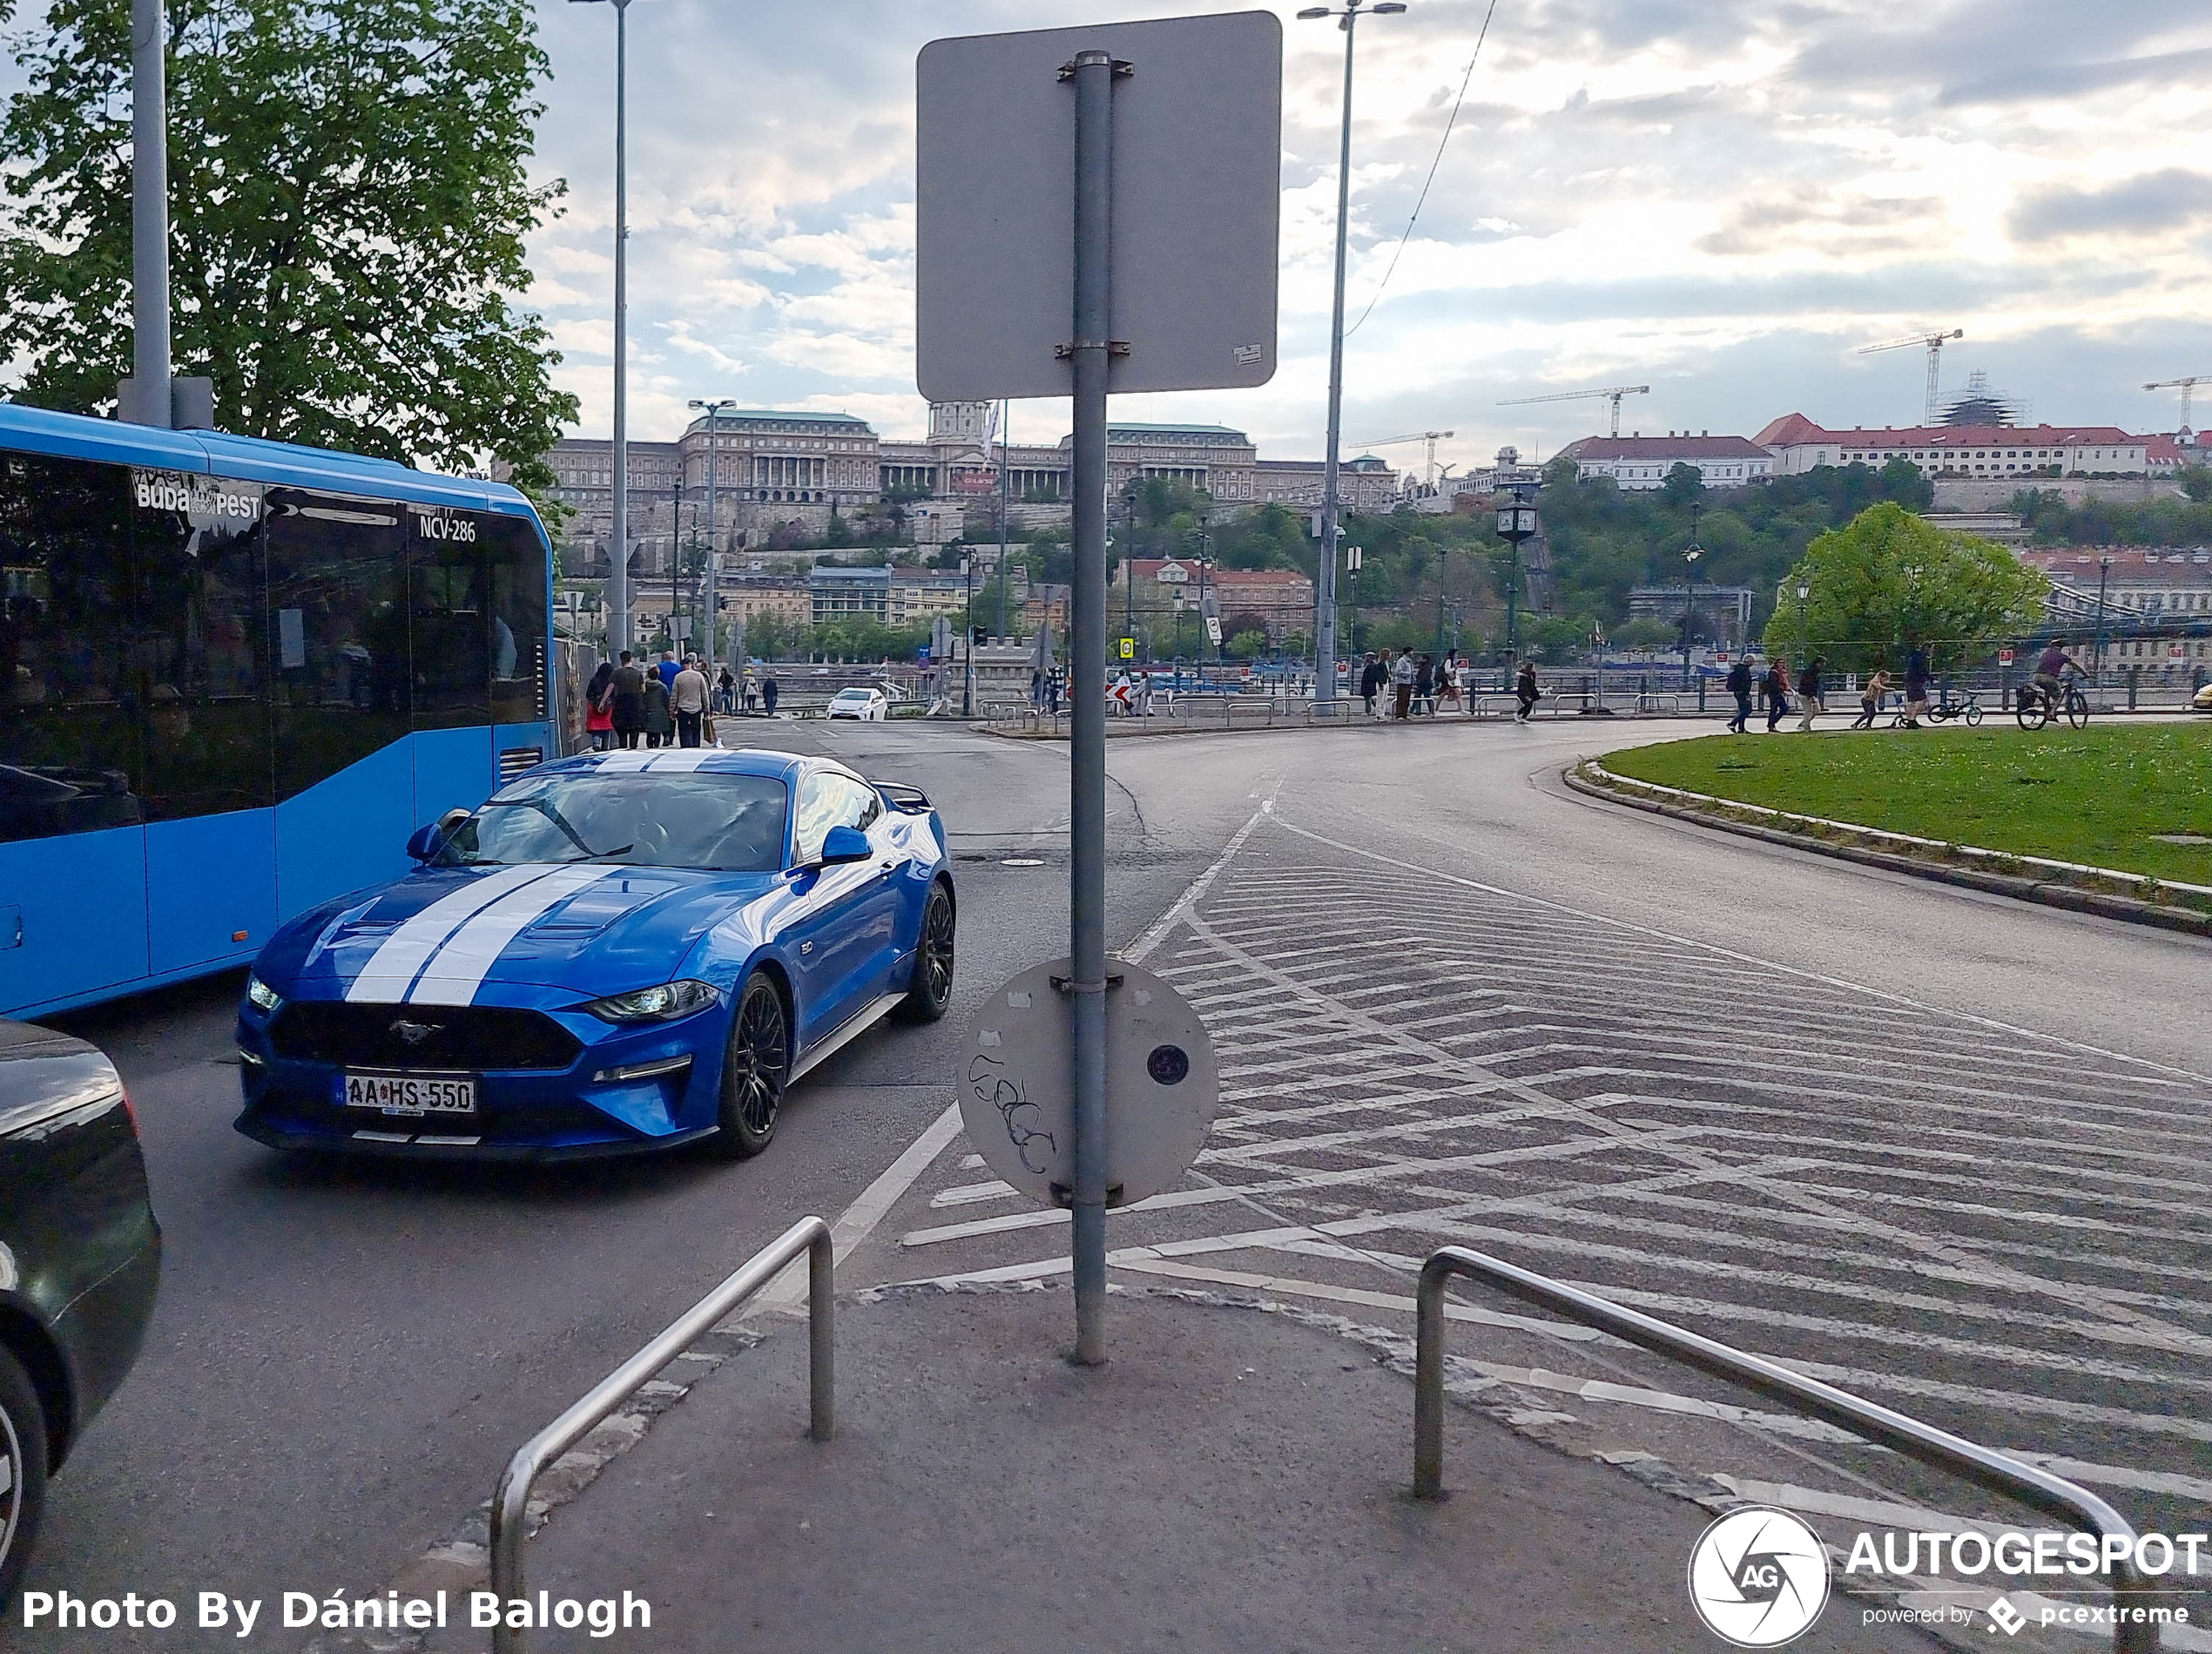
517,562
448,619
339,605
197,650
69,752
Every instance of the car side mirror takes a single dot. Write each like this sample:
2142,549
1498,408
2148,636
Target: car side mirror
844,844
425,842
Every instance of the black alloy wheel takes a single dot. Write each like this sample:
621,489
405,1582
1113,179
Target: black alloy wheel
932,988
2077,709
22,1464
754,1070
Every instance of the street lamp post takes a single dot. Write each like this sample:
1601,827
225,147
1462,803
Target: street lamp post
1325,595
2097,656
1690,555
968,642
1516,522
713,545
1352,560
1804,595
618,567
1688,608
1006,416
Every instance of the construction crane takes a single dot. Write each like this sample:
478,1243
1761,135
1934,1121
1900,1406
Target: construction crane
1428,470
1933,343
2185,386
1615,392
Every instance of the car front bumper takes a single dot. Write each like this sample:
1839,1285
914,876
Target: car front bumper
594,1106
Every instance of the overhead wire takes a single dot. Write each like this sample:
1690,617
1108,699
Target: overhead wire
1466,80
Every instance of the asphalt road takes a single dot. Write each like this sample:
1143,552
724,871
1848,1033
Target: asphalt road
343,1357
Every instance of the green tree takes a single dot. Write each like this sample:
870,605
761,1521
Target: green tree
348,198
1887,581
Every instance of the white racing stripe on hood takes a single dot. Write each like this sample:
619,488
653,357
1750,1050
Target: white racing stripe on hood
459,969
391,969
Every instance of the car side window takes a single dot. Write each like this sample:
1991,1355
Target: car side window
870,803
819,803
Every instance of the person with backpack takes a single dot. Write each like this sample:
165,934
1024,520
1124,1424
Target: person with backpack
1526,692
1775,687
1739,683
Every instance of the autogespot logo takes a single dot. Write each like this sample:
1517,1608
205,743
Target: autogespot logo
1758,1577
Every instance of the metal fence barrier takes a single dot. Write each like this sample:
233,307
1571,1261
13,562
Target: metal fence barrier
511,1501
2039,1490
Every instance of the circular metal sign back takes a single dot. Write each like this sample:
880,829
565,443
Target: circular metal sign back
1017,1084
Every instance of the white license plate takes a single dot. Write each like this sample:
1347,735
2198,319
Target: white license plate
409,1094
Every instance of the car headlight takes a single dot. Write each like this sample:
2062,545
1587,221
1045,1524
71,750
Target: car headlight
662,1005
262,994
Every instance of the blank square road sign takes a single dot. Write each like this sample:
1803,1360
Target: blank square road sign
1196,156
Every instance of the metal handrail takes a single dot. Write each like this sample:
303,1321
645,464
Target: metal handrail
1645,699
2038,1490
511,1501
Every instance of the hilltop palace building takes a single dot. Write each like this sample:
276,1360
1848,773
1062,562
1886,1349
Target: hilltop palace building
776,467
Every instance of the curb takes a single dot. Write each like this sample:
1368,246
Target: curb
2047,893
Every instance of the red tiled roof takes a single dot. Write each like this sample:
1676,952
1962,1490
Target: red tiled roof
1654,447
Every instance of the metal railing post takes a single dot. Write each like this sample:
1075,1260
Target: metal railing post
510,1500
2038,1488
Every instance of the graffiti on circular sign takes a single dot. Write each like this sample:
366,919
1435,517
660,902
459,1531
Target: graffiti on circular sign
1017,1084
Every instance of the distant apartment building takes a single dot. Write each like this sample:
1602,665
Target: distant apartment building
1283,598
1798,445
1639,462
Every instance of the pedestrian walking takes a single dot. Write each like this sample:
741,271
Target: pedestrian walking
627,688
598,707
687,700
725,692
1870,700
1916,686
1401,685
768,694
660,728
1526,692
1447,681
1809,696
1775,687
1739,683
1425,685
1371,677
666,668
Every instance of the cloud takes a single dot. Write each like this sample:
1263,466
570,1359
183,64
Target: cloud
2144,204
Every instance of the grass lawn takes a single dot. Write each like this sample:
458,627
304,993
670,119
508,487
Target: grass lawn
2101,796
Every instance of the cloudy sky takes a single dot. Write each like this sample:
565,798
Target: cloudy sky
1719,197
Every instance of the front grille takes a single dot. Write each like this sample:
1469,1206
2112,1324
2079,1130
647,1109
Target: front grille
461,1037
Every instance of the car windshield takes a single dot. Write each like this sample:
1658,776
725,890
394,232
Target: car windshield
717,823
854,694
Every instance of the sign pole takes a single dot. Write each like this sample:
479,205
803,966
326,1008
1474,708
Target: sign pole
1093,75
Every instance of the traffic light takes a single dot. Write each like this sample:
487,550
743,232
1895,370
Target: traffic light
981,634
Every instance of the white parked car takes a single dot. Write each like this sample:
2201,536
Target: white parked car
867,704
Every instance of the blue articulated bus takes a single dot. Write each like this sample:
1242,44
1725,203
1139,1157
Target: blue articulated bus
234,676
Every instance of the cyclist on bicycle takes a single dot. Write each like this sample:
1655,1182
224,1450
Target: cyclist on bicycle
2050,667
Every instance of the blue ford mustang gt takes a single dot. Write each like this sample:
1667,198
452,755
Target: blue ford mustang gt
617,951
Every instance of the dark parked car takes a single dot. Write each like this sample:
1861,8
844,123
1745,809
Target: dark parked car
80,1257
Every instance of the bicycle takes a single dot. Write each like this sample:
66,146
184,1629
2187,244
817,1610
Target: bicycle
1944,707
2037,710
